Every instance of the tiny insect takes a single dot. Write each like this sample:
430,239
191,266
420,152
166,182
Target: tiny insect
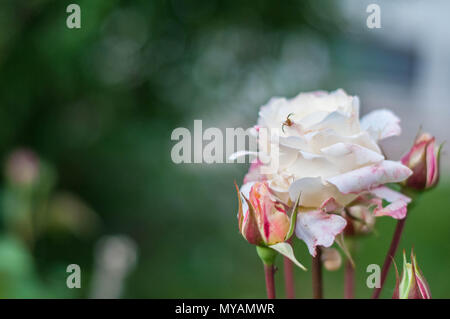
288,122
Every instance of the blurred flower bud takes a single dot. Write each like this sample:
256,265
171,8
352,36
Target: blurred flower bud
331,259
423,160
22,167
262,219
412,284
360,220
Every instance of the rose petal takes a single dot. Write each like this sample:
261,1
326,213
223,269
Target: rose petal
390,195
381,124
272,219
314,192
338,122
269,114
295,142
318,228
421,282
312,165
369,177
349,156
398,203
432,164
330,205
250,226
415,154
327,137
396,210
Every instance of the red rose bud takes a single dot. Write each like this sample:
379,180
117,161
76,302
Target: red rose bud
262,219
412,284
423,160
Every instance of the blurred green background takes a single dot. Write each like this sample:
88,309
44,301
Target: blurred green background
86,117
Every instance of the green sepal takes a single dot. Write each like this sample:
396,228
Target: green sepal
266,254
286,250
341,243
293,219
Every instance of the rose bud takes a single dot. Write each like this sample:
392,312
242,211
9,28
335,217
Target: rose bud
412,284
264,222
331,259
423,160
360,220
262,219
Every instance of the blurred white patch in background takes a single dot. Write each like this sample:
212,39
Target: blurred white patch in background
115,258
421,30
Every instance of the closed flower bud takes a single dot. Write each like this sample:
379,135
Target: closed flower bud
262,219
412,284
331,259
423,160
360,220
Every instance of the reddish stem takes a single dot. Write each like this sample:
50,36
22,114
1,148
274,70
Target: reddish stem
349,280
269,271
389,257
289,278
316,272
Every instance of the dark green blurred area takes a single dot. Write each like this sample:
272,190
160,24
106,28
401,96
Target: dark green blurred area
97,107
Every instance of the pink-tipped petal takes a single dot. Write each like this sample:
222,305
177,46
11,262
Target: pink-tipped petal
318,228
422,289
271,216
250,226
240,211
415,154
423,159
397,210
432,164
330,205
390,195
398,203
369,177
413,284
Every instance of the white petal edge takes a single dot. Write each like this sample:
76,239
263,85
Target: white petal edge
398,203
318,228
381,124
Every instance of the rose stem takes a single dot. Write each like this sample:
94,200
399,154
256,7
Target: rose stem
349,280
390,255
316,272
289,278
269,271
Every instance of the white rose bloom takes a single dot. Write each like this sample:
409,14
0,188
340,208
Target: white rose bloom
326,155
